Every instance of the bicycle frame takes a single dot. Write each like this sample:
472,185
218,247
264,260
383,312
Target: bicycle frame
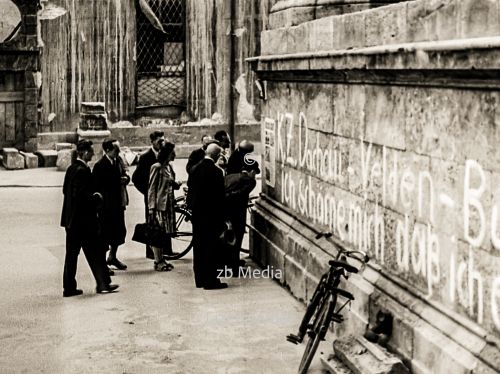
322,306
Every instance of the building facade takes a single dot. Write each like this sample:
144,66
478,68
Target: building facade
19,75
381,124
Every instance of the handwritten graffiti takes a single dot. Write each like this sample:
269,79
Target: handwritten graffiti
313,175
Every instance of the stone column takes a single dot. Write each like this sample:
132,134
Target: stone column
293,12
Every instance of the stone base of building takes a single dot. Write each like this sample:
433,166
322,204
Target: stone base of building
427,339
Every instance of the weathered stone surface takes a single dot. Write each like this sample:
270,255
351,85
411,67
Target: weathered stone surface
349,111
384,116
294,278
61,146
47,158
12,159
64,157
352,35
30,160
324,34
432,350
364,357
386,25
479,18
48,140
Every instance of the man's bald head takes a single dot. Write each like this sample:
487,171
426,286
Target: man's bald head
213,151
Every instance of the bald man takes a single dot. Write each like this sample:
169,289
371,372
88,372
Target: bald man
206,200
236,161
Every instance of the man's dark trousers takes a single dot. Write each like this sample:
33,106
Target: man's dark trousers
76,240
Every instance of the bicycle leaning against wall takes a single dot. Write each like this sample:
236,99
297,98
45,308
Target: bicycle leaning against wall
323,309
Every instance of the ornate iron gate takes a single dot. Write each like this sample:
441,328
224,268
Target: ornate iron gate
160,57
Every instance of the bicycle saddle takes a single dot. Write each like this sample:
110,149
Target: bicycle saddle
344,265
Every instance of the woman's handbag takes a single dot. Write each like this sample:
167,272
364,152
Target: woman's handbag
140,233
156,235
150,233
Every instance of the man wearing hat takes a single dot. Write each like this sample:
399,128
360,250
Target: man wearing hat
238,187
79,218
140,178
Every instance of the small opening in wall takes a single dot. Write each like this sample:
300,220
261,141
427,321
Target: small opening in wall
346,227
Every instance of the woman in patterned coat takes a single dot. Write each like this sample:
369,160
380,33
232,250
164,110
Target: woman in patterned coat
161,200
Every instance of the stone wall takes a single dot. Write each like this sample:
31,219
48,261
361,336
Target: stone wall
382,127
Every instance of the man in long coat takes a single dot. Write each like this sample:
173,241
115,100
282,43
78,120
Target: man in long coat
111,180
79,218
206,200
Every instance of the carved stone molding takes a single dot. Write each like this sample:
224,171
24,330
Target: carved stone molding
286,13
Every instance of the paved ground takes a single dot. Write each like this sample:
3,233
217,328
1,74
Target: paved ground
157,322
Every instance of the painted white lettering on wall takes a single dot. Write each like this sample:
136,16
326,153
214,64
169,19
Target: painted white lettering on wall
313,183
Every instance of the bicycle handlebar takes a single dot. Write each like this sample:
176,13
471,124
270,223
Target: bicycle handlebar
357,255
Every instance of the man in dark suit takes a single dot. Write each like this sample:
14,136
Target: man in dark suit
206,200
141,173
238,189
111,179
199,154
79,218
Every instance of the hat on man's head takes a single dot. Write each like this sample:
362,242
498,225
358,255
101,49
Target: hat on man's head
84,145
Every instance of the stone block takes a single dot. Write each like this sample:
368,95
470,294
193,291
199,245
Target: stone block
274,42
64,157
30,160
386,25
97,137
294,278
47,158
479,18
363,356
352,35
349,111
441,19
12,159
324,34
61,146
384,116
48,140
439,354
298,38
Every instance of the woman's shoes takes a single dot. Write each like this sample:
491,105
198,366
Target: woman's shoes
163,266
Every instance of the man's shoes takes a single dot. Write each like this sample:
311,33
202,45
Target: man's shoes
69,293
116,263
110,271
107,289
215,286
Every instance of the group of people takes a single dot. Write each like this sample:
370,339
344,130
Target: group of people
93,214
94,205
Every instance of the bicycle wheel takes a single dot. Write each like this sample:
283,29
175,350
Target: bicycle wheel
182,241
310,312
316,334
